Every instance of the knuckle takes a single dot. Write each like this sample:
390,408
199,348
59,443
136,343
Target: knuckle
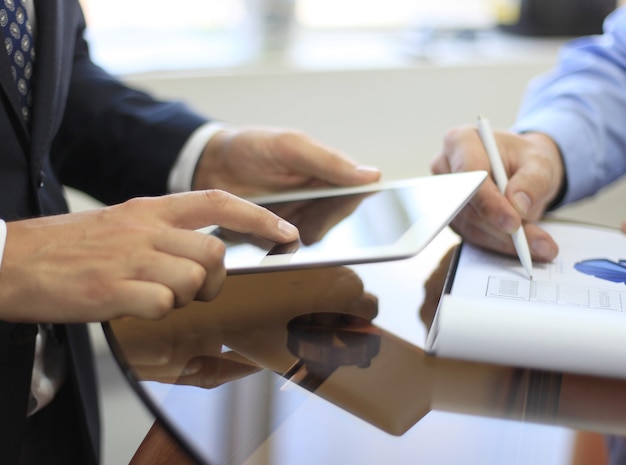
137,203
213,285
96,287
191,284
456,134
213,272
290,136
196,277
451,135
218,197
216,250
287,141
163,303
214,290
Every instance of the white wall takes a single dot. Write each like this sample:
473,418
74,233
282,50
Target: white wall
393,118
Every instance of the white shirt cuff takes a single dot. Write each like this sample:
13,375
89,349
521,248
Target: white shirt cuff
181,175
3,239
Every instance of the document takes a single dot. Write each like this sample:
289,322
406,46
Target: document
571,317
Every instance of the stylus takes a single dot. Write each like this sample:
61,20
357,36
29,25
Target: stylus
497,169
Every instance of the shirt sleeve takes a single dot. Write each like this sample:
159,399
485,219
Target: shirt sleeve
581,105
181,175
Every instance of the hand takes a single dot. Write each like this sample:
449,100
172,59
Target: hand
533,163
252,312
313,218
183,348
254,161
138,258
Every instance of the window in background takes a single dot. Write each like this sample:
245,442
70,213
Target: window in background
392,13
129,36
386,32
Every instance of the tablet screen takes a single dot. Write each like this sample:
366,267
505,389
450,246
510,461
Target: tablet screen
376,222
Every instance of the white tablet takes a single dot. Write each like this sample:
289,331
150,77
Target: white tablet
349,225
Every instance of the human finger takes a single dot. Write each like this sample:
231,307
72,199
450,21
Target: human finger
143,299
192,210
463,151
206,371
542,246
470,224
311,159
213,371
182,276
314,217
537,174
203,281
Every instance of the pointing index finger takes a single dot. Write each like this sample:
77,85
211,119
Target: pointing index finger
194,210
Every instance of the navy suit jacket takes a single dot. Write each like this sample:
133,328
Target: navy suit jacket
88,131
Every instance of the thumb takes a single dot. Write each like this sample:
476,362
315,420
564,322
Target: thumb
530,191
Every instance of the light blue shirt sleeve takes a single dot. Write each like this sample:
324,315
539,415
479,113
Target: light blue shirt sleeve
581,105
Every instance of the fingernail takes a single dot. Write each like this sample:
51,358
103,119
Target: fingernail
192,367
542,248
287,228
521,202
367,169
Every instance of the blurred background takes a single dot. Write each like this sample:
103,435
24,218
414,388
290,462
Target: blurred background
380,80
130,36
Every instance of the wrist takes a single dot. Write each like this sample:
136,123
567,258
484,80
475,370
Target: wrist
208,163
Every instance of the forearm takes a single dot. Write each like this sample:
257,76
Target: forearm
581,105
116,142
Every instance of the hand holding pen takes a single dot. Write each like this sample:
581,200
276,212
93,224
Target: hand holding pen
499,174
536,172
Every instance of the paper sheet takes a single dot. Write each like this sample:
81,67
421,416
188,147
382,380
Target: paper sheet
570,317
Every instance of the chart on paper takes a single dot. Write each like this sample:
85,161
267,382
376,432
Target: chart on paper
570,317
551,292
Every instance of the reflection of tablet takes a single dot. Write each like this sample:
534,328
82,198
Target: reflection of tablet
347,225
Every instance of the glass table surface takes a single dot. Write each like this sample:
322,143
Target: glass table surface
326,365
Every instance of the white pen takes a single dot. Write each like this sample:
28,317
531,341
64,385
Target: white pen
497,169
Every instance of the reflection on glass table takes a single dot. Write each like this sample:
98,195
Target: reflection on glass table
326,366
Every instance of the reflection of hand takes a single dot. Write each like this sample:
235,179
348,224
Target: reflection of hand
434,287
139,258
185,347
314,218
179,352
255,161
536,174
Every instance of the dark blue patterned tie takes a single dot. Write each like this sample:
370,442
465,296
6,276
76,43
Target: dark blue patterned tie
18,42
